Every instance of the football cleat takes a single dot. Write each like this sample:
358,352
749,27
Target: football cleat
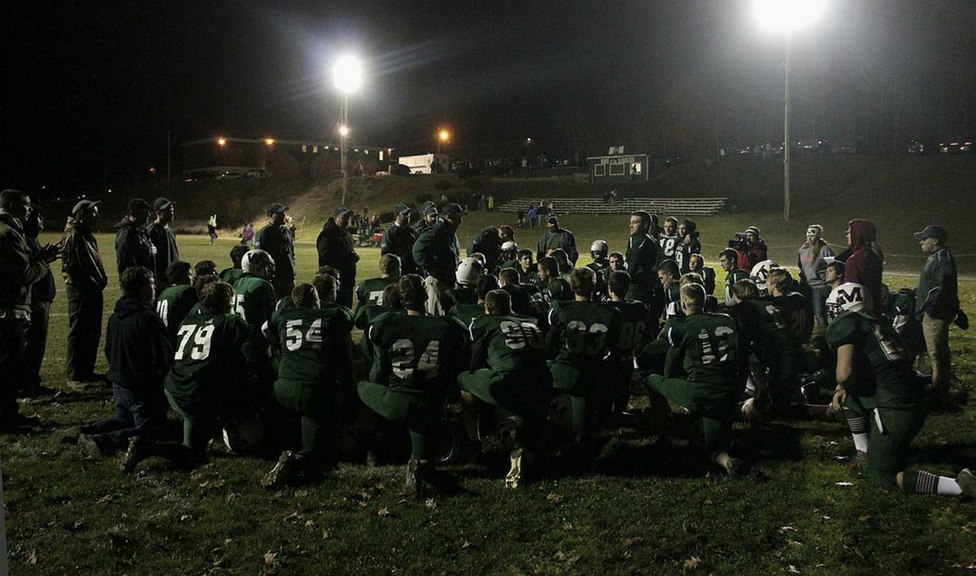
137,452
967,483
514,477
90,447
66,436
414,486
282,471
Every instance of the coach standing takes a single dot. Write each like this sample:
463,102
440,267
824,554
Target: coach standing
437,253
336,249
399,238
132,244
162,237
937,301
20,270
85,279
557,237
276,240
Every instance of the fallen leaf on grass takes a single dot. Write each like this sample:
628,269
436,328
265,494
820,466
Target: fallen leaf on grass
692,563
107,499
32,557
270,558
794,543
465,545
383,512
567,525
632,541
792,569
430,503
866,518
786,529
844,484
554,498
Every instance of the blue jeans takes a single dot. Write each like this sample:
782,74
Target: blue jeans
140,413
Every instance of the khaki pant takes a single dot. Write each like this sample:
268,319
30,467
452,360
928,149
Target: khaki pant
936,334
438,301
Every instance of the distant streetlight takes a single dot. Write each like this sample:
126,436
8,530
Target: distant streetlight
221,142
443,136
347,76
268,143
786,17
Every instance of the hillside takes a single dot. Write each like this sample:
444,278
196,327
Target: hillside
901,193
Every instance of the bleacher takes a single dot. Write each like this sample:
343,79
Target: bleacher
682,206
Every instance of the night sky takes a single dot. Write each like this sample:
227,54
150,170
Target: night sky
91,88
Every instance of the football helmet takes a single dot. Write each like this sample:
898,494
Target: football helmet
468,271
599,249
760,275
509,246
848,297
258,263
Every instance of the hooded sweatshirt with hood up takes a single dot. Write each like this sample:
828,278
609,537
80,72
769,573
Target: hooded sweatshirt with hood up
137,347
864,266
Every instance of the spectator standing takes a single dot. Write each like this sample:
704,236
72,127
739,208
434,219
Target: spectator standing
212,228
336,249
437,253
533,216
754,251
162,237
275,239
557,238
864,265
812,261
20,270
85,279
642,257
132,244
247,236
429,217
42,294
399,238
937,301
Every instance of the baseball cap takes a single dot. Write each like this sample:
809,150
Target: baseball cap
342,210
161,203
277,208
83,205
138,204
402,209
430,209
933,231
454,209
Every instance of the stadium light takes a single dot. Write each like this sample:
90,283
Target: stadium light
347,76
787,17
443,136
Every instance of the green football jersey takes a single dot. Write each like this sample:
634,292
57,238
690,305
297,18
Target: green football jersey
559,289
511,343
209,356
231,275
582,334
285,302
464,295
883,368
173,305
465,313
416,353
633,326
371,291
254,302
761,326
798,314
530,276
703,348
308,341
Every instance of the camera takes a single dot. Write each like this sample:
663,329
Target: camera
738,241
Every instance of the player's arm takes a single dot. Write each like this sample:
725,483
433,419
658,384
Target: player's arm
844,373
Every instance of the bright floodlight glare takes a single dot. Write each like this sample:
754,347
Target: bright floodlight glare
347,74
343,130
787,15
444,135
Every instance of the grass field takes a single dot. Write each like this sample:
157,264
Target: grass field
629,512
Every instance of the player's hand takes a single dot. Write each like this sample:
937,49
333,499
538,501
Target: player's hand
840,396
51,252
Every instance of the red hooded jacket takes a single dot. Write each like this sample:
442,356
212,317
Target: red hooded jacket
864,266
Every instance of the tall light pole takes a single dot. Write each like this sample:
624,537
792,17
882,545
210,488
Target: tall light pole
443,135
347,76
786,17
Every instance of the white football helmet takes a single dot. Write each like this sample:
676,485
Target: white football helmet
468,271
258,263
848,297
760,275
599,247
509,246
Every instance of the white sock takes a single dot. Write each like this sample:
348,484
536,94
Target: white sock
861,442
948,487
